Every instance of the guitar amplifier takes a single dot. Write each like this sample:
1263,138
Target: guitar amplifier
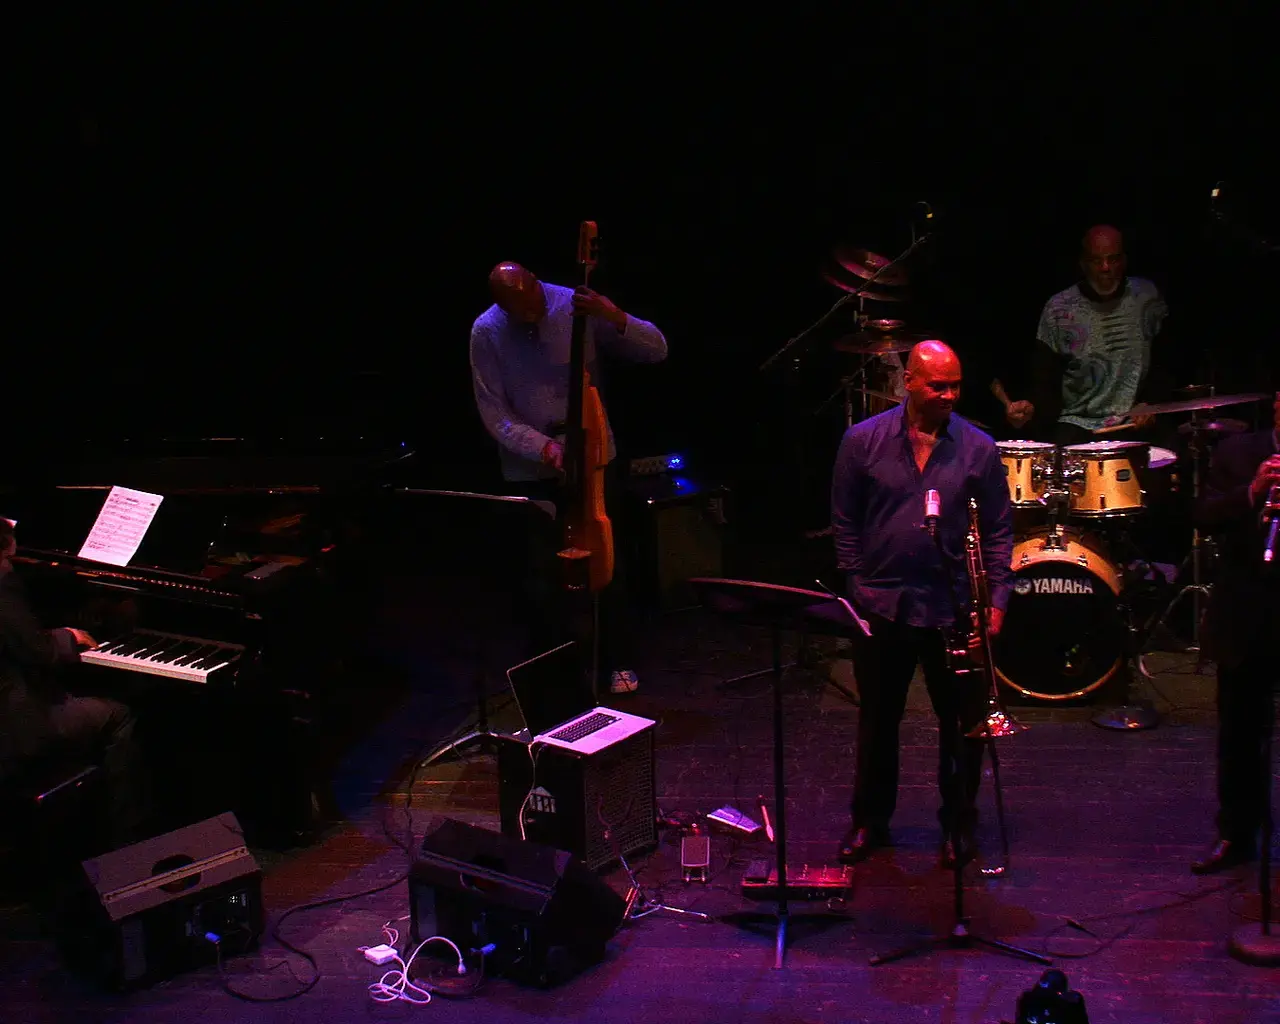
676,532
577,796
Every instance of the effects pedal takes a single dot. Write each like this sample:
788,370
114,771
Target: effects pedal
760,882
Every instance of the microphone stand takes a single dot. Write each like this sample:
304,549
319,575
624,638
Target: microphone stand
960,937
1261,946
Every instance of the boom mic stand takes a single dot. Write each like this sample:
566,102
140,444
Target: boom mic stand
1262,946
960,937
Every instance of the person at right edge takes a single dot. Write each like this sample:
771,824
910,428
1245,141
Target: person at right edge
1243,622
909,591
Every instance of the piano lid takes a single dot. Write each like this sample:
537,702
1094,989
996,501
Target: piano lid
216,465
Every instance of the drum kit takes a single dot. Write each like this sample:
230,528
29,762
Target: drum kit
1070,625
1077,561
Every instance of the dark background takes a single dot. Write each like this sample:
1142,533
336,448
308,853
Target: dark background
282,221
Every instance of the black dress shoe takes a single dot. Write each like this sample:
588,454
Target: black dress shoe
947,850
859,842
1226,853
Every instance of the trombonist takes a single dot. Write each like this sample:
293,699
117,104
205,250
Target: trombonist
902,585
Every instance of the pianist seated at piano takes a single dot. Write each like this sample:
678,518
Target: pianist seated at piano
39,719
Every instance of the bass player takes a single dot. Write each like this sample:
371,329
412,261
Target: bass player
520,349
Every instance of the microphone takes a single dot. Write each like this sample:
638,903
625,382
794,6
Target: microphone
932,509
925,225
1271,514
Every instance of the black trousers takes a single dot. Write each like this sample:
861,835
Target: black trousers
553,616
1245,714
884,664
98,729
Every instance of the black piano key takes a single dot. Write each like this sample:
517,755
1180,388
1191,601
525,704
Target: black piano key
131,644
215,657
175,651
200,652
157,644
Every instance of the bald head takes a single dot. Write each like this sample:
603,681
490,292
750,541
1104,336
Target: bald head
933,382
517,292
1102,259
933,357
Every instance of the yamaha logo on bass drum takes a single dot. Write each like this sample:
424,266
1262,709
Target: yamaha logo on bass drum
1053,585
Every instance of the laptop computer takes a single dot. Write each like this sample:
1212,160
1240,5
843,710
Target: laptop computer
556,703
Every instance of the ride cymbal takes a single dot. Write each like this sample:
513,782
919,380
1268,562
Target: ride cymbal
1194,404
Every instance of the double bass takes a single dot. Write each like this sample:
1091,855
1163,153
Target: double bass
586,558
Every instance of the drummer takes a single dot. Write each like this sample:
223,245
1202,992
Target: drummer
1095,354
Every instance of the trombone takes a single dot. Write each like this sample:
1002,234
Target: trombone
970,651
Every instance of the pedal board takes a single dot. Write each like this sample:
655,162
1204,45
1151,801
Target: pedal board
760,882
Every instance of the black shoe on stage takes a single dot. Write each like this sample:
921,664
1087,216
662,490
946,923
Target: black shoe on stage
1226,853
860,841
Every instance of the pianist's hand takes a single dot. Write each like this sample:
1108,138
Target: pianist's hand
82,638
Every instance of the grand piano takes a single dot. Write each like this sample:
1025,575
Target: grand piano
226,624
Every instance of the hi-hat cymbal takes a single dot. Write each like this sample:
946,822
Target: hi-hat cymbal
871,293
864,264
1194,404
873,343
1218,428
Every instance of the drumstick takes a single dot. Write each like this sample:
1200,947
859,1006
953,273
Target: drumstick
1118,426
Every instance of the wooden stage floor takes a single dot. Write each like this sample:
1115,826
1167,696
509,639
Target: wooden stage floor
1103,825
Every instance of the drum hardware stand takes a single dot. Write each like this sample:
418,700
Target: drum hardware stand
960,937
1197,588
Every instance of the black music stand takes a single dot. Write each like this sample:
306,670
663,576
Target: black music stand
481,734
779,609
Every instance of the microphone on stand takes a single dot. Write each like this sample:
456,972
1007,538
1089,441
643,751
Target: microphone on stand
1271,514
926,233
932,509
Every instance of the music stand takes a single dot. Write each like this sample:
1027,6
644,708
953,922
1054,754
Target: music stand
779,609
481,734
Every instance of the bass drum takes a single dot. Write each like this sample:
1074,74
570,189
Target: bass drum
1063,634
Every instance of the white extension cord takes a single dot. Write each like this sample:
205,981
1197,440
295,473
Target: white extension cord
394,985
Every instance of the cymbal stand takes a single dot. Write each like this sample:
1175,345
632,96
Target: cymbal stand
843,301
1197,588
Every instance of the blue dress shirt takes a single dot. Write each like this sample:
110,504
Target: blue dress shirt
877,506
520,373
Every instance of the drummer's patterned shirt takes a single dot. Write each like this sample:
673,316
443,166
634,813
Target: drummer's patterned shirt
1106,347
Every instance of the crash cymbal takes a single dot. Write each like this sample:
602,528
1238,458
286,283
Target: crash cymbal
1194,404
1220,428
864,264
872,293
865,344
878,343
884,396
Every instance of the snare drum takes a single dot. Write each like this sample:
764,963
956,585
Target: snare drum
1063,633
1028,468
1103,478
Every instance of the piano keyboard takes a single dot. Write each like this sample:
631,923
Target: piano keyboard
164,654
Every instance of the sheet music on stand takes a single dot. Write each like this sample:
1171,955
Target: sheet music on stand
121,525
